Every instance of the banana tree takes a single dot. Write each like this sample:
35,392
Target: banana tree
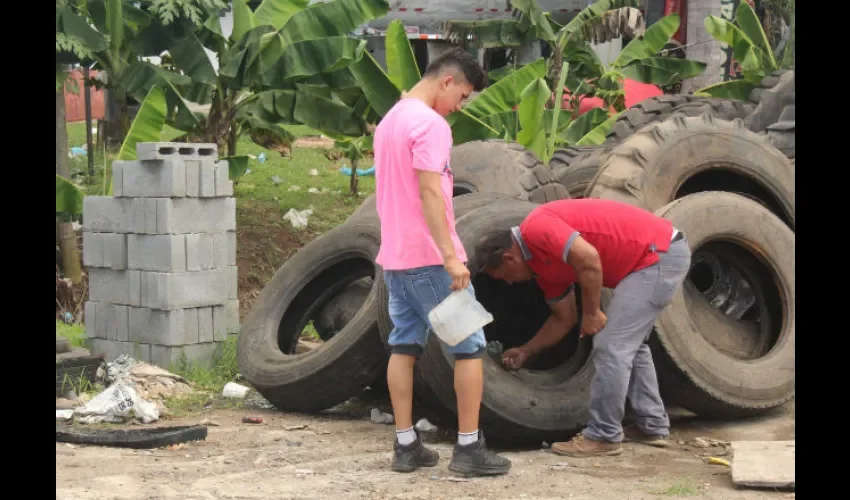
120,32
750,46
284,64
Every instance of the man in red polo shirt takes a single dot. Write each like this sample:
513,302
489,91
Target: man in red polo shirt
598,243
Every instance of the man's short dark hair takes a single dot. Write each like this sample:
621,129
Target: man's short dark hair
460,60
491,247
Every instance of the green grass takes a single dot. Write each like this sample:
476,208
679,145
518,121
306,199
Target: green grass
75,333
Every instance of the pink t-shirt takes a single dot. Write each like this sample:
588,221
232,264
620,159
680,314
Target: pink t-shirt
411,137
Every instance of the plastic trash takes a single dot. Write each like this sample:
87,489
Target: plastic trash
298,219
235,391
261,157
379,417
115,404
276,180
347,171
423,425
458,316
314,172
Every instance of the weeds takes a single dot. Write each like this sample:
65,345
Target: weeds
75,333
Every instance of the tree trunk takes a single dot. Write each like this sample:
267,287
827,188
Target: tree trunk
352,185
89,145
65,235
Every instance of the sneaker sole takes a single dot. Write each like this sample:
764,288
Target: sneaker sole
654,444
609,453
472,470
413,468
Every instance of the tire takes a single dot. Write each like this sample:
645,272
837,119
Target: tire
153,437
576,167
342,366
659,108
525,406
368,208
713,364
427,403
341,309
495,166
683,155
782,136
773,95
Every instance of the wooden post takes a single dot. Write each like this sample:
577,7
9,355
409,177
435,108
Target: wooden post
89,145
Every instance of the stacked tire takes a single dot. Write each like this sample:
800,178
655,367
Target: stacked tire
723,348
723,171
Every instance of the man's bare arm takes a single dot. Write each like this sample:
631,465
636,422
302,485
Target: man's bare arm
556,327
434,209
585,260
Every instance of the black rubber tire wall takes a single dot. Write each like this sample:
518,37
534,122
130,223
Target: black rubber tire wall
659,108
496,166
576,167
774,93
344,365
513,409
691,371
649,168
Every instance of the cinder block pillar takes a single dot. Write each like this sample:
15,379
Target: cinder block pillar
161,257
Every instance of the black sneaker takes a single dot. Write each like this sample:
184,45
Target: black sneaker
476,459
408,458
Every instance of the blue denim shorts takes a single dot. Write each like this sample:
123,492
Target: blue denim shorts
413,293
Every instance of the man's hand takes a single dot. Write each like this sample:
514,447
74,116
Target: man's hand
593,323
514,358
458,272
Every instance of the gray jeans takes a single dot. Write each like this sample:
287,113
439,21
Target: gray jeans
622,359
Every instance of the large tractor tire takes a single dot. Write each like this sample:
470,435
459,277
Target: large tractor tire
343,365
738,359
547,399
495,166
684,155
576,167
774,97
427,403
659,108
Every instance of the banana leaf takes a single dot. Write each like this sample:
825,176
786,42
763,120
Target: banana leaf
532,128
653,41
401,64
506,93
734,89
69,197
662,70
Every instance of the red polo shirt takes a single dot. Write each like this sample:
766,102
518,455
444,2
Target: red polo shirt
626,237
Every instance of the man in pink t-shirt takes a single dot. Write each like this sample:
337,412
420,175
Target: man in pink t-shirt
423,258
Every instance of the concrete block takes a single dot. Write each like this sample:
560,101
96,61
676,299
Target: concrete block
193,177
168,150
233,291
92,249
114,250
115,287
205,325
172,328
223,184
117,321
200,252
112,349
95,319
190,289
105,214
224,246
206,188
169,356
225,320
190,333
118,179
157,252
194,215
154,178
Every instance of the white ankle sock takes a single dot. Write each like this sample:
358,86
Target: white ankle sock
405,436
467,438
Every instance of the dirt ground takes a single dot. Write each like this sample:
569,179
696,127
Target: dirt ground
343,456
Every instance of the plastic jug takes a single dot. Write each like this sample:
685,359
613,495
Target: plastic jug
457,317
